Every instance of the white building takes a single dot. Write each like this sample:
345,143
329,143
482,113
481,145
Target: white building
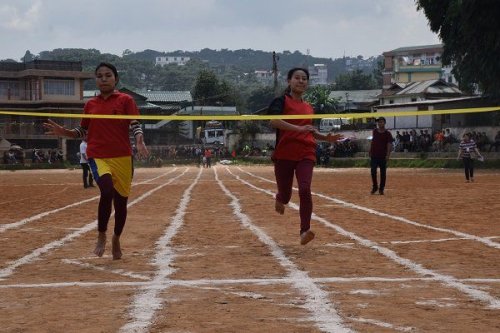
179,60
318,74
264,76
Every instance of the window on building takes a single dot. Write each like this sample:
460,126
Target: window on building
59,87
391,101
413,99
9,88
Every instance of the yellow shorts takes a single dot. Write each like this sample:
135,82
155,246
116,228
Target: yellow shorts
120,169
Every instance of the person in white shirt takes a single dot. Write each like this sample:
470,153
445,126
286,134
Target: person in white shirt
88,180
467,150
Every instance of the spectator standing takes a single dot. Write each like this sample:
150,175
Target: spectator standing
109,151
496,143
380,151
88,180
466,151
208,156
295,151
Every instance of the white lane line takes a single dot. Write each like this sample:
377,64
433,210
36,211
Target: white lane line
149,300
9,270
219,282
383,324
484,240
103,269
5,227
442,240
447,280
317,301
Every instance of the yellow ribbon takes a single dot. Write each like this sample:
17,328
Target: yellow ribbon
253,117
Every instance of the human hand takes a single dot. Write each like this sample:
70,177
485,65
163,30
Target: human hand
53,128
142,150
332,138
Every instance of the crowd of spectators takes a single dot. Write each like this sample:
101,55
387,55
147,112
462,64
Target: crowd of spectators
17,156
423,141
326,151
185,153
47,156
440,141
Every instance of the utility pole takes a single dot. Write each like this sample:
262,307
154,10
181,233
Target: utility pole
275,74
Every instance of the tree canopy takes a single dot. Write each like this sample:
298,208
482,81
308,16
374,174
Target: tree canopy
470,32
355,80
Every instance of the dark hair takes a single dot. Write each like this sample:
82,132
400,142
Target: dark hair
110,66
295,69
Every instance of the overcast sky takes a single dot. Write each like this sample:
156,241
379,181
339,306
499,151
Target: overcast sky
328,28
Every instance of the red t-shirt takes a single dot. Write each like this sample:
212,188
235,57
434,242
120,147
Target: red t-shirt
108,138
293,145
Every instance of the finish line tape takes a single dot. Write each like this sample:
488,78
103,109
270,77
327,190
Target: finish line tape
254,117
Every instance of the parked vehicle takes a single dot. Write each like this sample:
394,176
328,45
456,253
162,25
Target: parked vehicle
214,133
330,124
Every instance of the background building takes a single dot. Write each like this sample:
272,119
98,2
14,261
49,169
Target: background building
318,74
167,60
415,63
40,86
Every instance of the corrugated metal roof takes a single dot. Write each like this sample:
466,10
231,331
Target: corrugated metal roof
153,96
429,87
167,96
415,48
209,111
427,102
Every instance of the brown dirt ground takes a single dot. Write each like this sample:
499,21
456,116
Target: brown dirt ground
219,276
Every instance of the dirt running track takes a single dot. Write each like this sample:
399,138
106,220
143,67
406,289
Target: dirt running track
204,251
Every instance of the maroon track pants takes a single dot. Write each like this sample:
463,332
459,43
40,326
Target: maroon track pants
109,197
284,171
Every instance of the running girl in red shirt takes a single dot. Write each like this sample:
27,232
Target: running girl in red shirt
109,151
295,151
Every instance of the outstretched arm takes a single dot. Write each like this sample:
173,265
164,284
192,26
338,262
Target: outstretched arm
330,137
53,128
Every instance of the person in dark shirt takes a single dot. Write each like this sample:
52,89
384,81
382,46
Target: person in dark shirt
380,151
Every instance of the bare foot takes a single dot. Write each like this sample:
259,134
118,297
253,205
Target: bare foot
115,247
279,207
306,237
101,244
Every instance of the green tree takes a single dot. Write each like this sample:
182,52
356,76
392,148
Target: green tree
206,88
470,34
28,57
319,98
355,80
260,98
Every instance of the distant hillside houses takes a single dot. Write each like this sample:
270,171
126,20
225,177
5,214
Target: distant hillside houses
167,60
264,76
318,74
353,64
